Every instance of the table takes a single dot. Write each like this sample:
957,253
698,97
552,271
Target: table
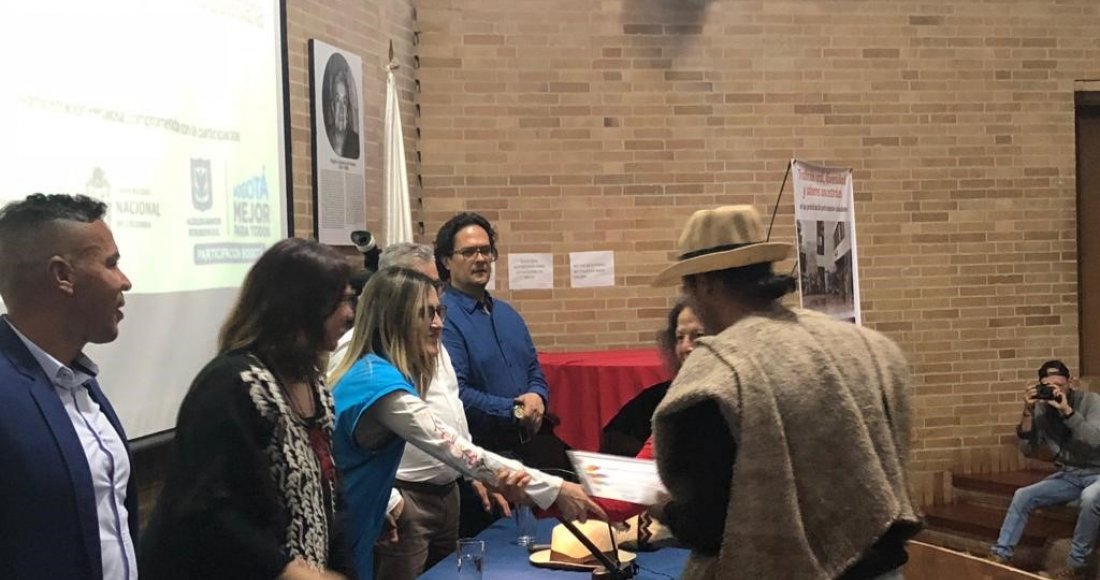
587,389
507,561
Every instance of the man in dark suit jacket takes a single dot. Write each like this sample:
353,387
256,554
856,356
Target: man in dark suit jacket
68,506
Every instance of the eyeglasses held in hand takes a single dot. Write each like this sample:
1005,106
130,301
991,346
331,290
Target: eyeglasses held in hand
473,251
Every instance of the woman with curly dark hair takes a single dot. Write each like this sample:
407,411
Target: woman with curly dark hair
630,428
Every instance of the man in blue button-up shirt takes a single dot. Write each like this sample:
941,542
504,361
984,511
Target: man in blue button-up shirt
499,378
498,368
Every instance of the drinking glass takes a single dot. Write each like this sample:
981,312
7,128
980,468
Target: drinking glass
526,525
471,558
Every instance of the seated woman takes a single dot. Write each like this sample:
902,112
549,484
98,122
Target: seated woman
378,391
628,431
251,491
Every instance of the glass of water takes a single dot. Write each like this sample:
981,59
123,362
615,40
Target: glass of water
471,558
526,525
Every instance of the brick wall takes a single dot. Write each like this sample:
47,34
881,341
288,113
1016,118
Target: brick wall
578,125
364,28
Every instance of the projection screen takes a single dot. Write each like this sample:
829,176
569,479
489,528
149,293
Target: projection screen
172,112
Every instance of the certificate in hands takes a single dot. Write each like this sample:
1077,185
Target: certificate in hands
621,478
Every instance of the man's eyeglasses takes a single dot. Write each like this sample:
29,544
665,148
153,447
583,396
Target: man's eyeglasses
430,312
469,253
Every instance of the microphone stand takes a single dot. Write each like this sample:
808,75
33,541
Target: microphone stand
612,570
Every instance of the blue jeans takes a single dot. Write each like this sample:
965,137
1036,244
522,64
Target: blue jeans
1068,484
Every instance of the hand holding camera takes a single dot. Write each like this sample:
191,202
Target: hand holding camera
1041,392
1048,393
1045,392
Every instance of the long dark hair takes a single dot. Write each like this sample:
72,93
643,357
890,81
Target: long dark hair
757,283
281,310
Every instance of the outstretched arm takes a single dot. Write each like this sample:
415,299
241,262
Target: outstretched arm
411,419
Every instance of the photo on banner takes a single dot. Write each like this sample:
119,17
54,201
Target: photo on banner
828,271
339,159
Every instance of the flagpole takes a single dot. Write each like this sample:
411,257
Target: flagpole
782,186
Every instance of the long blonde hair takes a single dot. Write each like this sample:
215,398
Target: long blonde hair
389,322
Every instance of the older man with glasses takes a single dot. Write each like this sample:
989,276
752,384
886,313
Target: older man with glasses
500,381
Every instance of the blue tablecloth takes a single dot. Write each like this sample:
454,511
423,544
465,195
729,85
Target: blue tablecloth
505,560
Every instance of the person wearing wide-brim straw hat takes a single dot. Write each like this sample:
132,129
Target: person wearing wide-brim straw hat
813,412
722,238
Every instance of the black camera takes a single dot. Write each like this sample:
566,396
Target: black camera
1046,393
364,242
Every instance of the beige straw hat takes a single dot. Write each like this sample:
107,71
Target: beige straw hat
566,552
718,239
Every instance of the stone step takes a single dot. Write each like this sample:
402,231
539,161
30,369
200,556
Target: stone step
984,523
1005,483
995,490
933,562
1063,512
973,520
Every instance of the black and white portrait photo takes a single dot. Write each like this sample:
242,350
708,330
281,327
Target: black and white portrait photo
340,107
339,150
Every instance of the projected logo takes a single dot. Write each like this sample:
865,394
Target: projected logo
202,192
252,207
99,188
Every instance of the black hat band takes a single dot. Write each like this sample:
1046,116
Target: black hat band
714,250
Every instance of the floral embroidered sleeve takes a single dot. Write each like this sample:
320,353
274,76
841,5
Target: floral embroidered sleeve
410,418
218,512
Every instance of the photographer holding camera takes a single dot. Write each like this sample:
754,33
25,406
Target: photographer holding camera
1067,422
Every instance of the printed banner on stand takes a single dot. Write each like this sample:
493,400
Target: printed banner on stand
825,222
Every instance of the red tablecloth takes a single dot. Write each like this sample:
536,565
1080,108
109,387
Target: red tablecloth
588,388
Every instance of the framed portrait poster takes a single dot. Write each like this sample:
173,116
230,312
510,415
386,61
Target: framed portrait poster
339,159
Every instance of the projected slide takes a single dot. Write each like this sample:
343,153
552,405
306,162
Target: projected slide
166,110
171,112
